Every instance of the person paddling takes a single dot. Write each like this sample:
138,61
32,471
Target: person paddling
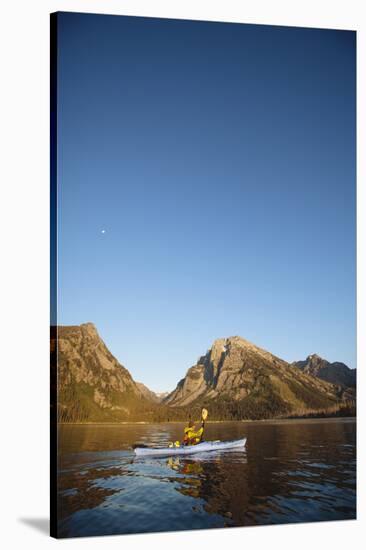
191,436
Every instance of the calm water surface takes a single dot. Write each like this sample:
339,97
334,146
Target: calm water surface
290,471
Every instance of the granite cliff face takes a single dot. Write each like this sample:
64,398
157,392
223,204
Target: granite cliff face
335,373
243,377
92,385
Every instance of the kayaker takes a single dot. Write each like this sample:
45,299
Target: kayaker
192,437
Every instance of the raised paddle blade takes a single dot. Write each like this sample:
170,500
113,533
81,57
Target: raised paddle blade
204,414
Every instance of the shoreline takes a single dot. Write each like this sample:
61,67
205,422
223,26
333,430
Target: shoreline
266,420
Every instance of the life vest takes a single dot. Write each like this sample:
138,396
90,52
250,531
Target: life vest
192,437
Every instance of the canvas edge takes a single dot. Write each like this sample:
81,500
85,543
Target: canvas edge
53,274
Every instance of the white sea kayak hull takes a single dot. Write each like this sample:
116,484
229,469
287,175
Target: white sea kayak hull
204,447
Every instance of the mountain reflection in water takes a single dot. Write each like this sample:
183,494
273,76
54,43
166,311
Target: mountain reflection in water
290,471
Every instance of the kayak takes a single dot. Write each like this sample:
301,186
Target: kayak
204,447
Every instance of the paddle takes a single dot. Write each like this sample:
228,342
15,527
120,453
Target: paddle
204,415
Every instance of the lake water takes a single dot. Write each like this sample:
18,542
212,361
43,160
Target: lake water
291,471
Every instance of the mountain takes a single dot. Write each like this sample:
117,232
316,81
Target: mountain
149,394
162,395
91,383
156,397
237,379
335,373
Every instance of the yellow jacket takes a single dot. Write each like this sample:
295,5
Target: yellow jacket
191,437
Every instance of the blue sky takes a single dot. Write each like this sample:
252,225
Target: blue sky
219,159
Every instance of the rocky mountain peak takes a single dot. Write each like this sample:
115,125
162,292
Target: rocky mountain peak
236,370
90,329
335,373
92,383
315,358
